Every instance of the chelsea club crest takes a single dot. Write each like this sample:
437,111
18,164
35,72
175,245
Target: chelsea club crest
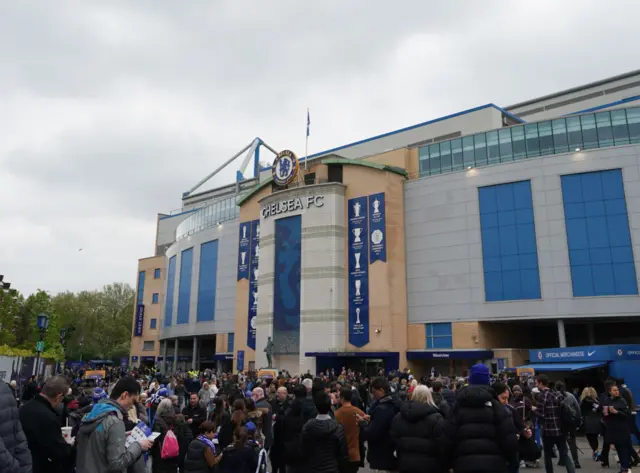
285,168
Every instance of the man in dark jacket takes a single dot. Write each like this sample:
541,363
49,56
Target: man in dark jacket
308,408
280,406
267,420
479,431
377,427
15,456
323,441
439,399
50,452
194,414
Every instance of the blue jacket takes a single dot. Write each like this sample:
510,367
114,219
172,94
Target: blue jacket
377,433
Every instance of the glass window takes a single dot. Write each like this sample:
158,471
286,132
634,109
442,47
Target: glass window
493,150
434,159
560,141
589,133
603,126
619,127
423,159
153,324
546,138
230,342
155,298
439,336
148,346
633,119
506,153
519,149
456,154
445,156
467,151
574,133
480,145
156,273
533,142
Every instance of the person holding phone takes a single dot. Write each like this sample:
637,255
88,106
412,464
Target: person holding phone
618,430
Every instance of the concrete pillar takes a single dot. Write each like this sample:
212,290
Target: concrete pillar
163,366
591,334
195,354
175,355
562,336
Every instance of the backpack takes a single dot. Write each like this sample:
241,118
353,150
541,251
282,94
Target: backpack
570,418
170,446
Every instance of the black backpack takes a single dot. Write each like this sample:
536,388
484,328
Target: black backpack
570,418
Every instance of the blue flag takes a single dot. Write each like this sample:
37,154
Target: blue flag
308,122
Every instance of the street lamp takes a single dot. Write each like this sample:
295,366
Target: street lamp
43,325
63,342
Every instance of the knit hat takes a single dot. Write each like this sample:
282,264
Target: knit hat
479,374
98,393
250,426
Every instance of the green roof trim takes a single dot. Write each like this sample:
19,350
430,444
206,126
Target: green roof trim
254,191
332,160
367,164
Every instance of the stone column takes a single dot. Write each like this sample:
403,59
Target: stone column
194,364
562,336
163,366
175,355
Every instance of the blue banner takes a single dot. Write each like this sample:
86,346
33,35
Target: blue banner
244,236
286,285
377,228
254,256
358,272
139,323
124,362
240,363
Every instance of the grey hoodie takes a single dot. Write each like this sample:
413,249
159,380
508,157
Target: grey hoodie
101,440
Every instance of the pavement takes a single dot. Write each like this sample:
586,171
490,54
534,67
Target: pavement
586,462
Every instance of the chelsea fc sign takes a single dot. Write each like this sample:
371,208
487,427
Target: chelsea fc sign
285,168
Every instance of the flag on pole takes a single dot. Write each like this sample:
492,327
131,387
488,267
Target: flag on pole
306,141
308,122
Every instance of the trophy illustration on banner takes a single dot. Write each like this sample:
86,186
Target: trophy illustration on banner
376,206
258,231
255,298
257,254
357,258
243,257
244,232
356,233
256,271
358,283
356,209
358,316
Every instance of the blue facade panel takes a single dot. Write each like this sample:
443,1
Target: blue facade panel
207,281
168,307
286,294
140,297
231,342
184,289
598,237
509,248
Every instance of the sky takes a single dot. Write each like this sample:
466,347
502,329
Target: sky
110,110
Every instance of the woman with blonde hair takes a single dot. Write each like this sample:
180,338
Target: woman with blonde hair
592,418
418,433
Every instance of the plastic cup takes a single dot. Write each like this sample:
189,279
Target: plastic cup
66,434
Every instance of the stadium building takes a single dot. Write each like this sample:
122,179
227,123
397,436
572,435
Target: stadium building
477,236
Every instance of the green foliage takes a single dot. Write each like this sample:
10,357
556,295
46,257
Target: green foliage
98,323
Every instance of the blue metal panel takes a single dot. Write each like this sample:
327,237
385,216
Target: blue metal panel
141,278
207,281
286,294
598,236
509,242
184,289
168,306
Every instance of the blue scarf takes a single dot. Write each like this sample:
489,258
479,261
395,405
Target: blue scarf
204,439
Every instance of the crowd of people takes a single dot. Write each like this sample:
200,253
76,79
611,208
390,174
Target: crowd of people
201,423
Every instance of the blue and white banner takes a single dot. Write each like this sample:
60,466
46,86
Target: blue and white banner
377,228
254,256
244,237
358,252
139,323
240,362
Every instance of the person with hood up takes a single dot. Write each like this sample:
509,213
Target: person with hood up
101,439
417,432
377,426
292,424
479,433
323,442
15,456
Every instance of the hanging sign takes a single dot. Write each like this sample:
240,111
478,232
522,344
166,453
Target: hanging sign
254,256
358,252
244,236
377,228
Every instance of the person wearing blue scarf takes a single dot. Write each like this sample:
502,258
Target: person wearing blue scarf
201,455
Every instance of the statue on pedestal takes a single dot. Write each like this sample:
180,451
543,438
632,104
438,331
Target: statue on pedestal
269,351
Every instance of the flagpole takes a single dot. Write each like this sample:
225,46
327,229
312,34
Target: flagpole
306,143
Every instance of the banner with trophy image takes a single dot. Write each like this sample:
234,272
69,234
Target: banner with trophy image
244,235
358,252
254,256
377,224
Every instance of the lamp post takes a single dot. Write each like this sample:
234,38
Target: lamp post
43,325
63,342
